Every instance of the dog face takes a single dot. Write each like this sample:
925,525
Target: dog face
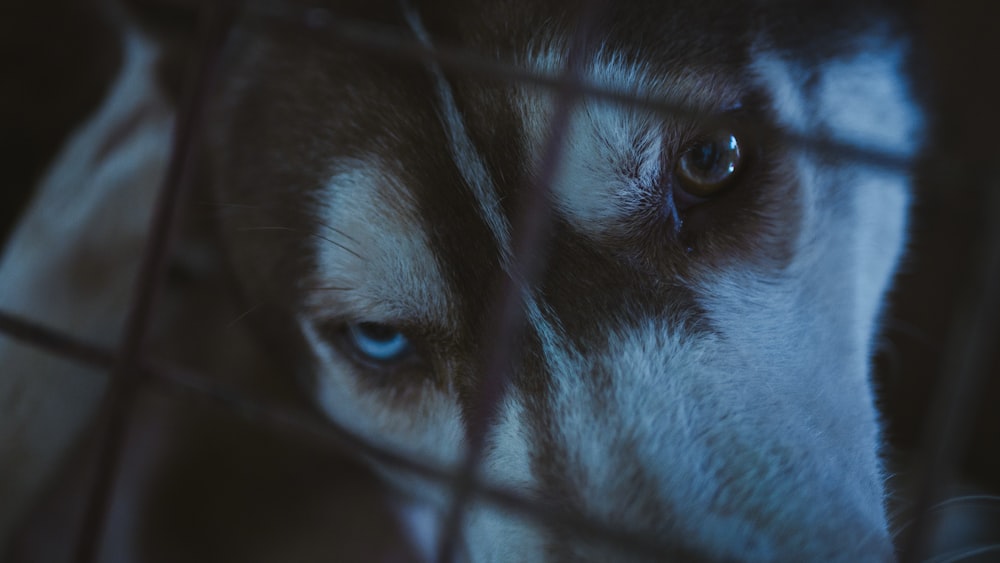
694,358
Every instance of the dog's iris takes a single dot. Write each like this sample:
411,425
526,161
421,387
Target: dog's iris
378,343
709,164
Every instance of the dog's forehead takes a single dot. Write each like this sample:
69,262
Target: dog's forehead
461,148
447,155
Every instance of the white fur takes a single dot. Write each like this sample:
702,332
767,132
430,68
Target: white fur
374,263
470,162
753,449
611,162
430,430
385,276
384,273
863,101
755,441
494,534
720,446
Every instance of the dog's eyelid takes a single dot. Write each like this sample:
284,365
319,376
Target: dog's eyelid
379,347
422,333
378,343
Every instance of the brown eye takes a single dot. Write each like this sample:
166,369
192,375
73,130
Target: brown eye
708,165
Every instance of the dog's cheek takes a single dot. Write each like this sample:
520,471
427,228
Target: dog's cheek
416,418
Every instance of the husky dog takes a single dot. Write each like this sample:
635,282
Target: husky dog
693,361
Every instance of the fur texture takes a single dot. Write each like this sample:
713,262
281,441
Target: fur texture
699,374
695,370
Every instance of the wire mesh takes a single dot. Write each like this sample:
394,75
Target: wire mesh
975,327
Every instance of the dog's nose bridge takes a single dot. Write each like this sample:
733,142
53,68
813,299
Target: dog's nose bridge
652,424
729,500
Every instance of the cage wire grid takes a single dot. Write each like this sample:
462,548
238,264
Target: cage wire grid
973,332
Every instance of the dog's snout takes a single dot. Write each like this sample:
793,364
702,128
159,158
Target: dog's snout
711,482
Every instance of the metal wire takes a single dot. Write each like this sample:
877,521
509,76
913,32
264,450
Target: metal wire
527,259
975,330
167,379
387,40
126,375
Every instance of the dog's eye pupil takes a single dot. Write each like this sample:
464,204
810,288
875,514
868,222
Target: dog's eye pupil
378,342
708,165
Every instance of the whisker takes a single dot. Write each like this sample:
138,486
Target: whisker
339,245
329,288
986,499
339,232
269,229
971,552
980,499
327,226
232,205
242,316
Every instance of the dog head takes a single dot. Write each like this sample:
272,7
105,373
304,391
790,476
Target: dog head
693,361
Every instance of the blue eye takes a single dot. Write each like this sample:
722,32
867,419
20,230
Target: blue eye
378,343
